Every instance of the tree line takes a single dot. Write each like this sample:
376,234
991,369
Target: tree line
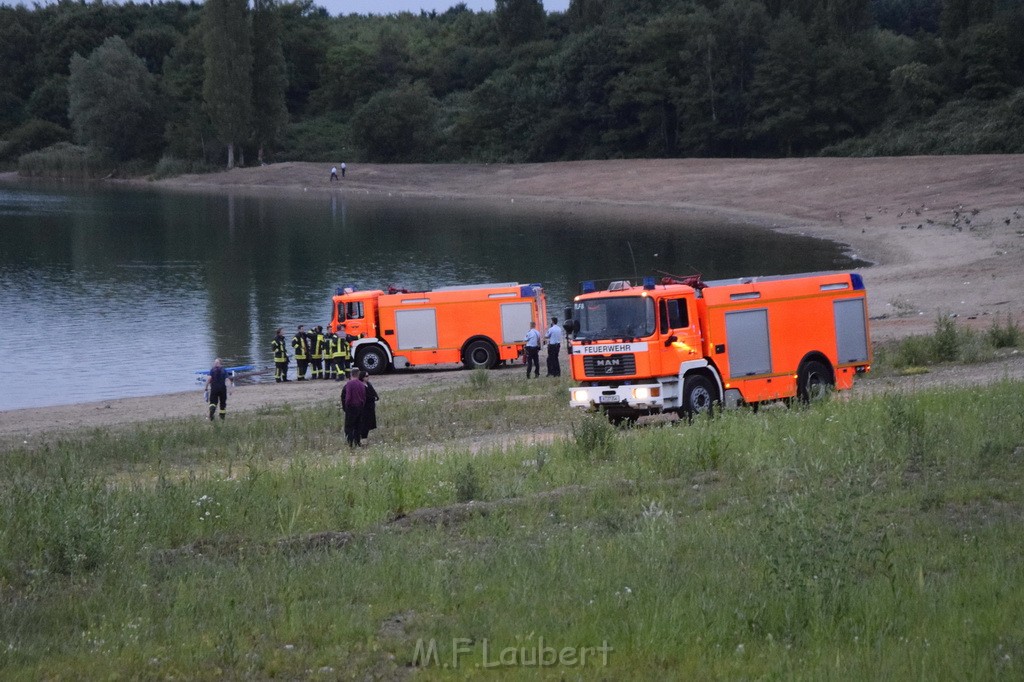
232,81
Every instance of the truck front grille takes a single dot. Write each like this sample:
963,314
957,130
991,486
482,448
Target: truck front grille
609,365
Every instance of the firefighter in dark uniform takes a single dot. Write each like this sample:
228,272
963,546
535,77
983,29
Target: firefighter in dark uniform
346,356
330,370
280,351
300,346
317,346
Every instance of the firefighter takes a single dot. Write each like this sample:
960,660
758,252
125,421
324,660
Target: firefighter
317,351
338,356
300,345
346,356
330,368
280,356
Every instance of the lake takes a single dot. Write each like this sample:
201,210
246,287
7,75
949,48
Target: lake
119,292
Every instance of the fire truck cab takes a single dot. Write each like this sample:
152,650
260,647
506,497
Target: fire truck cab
683,345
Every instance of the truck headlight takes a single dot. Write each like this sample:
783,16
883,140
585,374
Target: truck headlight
580,395
645,393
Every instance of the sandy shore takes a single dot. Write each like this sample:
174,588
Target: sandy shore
946,234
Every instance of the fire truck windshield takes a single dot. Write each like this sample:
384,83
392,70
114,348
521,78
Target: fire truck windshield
614,318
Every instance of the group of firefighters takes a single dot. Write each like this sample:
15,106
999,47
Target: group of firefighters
328,354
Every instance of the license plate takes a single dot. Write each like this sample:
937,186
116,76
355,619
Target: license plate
608,399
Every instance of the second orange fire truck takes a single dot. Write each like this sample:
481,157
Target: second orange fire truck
683,345
478,325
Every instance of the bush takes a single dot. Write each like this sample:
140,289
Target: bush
479,379
946,341
30,136
169,167
950,342
467,483
593,437
1004,336
64,160
319,139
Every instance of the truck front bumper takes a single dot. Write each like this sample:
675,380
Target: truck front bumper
642,397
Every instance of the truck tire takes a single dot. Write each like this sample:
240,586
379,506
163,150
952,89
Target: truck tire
372,360
699,396
813,381
480,355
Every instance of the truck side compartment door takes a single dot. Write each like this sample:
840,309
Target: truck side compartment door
515,320
746,333
416,328
851,331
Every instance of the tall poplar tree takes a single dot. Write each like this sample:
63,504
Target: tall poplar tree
227,85
269,75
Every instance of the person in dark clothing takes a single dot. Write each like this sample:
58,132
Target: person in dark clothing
300,345
353,400
532,350
280,351
217,388
554,338
316,351
369,418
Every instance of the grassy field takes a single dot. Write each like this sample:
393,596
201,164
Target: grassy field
854,539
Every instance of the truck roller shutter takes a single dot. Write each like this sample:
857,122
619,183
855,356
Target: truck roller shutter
749,351
851,331
515,320
416,328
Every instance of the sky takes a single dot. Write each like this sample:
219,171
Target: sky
336,7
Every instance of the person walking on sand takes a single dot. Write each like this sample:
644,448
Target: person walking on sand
353,400
342,169
554,337
217,383
334,173
532,350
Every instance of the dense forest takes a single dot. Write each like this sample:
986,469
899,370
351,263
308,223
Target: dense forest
178,86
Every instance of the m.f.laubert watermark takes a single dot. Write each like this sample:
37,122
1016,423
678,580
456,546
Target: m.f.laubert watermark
483,653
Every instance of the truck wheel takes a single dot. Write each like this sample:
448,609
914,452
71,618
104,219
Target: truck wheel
372,360
480,355
699,396
814,382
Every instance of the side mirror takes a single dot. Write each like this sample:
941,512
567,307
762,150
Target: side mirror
670,340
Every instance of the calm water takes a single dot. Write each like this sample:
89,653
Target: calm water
114,293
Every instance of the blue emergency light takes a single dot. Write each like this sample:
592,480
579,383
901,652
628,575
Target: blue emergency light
589,287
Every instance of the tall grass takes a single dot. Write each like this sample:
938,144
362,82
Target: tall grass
949,342
855,539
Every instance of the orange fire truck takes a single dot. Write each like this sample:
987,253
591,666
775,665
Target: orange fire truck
683,345
478,325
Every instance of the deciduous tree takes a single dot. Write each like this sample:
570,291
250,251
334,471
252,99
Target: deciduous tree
227,86
270,81
113,102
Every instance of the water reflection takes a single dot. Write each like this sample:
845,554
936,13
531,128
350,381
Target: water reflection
111,293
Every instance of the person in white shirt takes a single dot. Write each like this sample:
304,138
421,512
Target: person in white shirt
554,337
533,350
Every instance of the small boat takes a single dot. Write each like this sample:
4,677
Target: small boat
230,370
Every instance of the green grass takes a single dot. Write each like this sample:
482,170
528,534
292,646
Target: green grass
949,342
870,538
